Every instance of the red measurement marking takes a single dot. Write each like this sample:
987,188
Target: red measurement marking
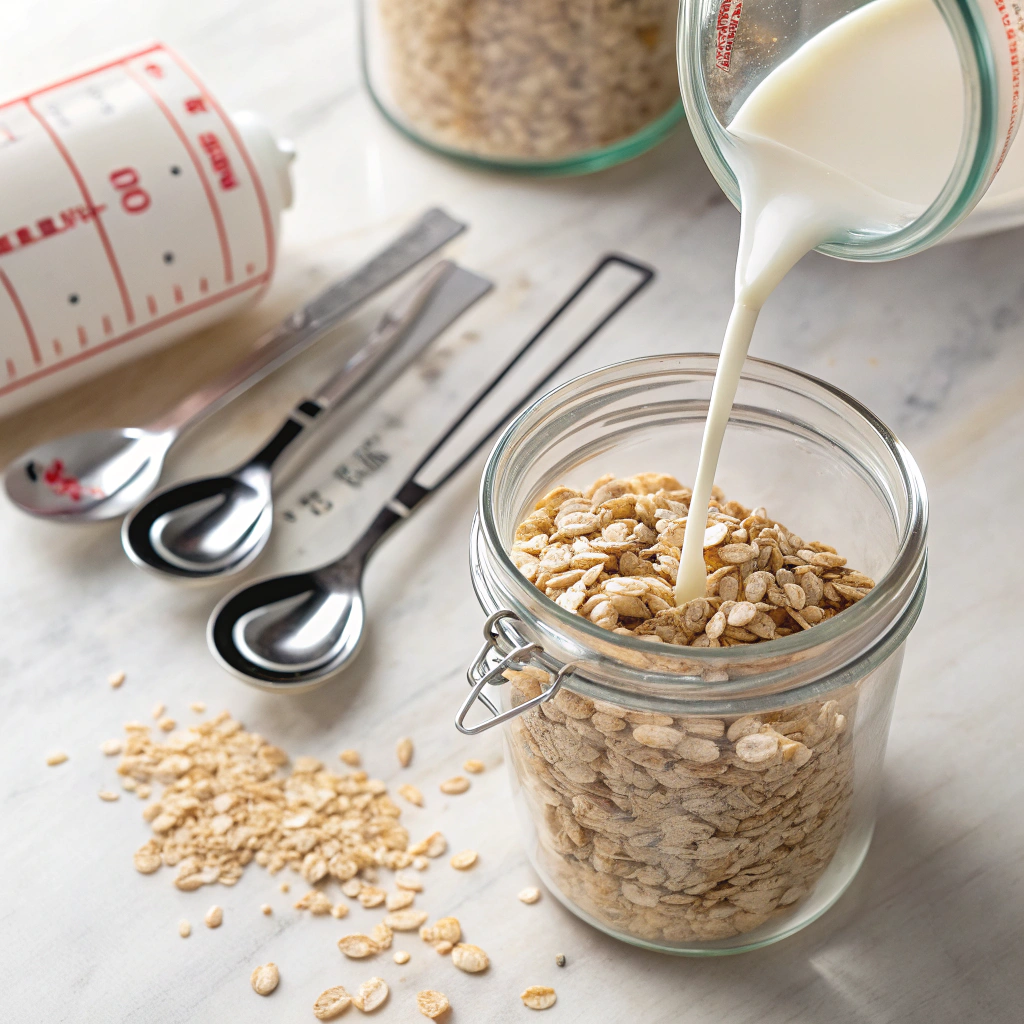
250,268
67,484
178,295
83,188
26,97
58,348
154,69
151,302
37,357
257,184
11,371
218,220
5,244
83,338
24,236
257,284
725,32
108,327
195,105
47,227
218,160
204,285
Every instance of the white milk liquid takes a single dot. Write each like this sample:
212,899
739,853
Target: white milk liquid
858,130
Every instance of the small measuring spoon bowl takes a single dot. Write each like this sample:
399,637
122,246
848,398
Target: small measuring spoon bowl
292,632
99,474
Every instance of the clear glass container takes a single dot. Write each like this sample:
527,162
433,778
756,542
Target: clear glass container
727,47
694,848
530,85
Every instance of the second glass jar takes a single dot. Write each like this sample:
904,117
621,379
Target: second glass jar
531,85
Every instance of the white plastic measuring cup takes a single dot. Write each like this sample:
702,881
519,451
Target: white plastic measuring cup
967,65
135,211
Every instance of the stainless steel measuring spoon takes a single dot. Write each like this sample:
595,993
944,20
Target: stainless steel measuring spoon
215,526
103,474
290,633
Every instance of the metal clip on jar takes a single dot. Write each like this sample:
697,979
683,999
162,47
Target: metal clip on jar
688,848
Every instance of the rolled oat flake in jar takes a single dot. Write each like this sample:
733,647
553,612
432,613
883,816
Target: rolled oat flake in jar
700,778
531,85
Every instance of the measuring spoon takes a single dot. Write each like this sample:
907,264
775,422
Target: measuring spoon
103,474
216,526
290,633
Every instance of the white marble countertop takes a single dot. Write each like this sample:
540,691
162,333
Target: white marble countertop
933,928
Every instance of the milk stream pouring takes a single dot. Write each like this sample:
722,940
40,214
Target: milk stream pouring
134,212
853,139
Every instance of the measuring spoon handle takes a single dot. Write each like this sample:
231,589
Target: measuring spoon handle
418,316
427,477
300,329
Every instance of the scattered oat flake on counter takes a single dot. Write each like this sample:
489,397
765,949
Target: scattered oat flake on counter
444,947
184,929
197,706
529,895
432,1004
266,909
445,929
382,935
111,747
400,899
108,795
264,979
406,920
284,887
339,910
116,680
403,750
469,958
214,917
371,896
158,710
166,724
464,861
433,846
539,997
59,757
560,959
454,786
473,766
409,881
331,1003
350,757
371,994
316,902
408,792
357,947
401,956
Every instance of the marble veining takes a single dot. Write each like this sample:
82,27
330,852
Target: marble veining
931,929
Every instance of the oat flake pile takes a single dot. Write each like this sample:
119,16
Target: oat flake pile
681,828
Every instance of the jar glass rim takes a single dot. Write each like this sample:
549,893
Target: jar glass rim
907,564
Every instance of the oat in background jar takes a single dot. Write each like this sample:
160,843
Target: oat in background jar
552,87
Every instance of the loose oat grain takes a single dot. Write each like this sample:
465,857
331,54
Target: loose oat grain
350,757
432,1004
109,795
473,766
184,929
403,751
331,1003
529,895
454,786
56,758
538,997
116,680
469,958
371,994
214,917
464,861
405,920
408,792
264,979
401,956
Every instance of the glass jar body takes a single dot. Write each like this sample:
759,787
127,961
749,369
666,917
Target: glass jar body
647,808
528,86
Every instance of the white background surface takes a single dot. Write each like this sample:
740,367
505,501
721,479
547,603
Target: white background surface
931,931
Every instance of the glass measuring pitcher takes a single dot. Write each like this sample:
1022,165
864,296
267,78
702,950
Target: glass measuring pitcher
728,48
